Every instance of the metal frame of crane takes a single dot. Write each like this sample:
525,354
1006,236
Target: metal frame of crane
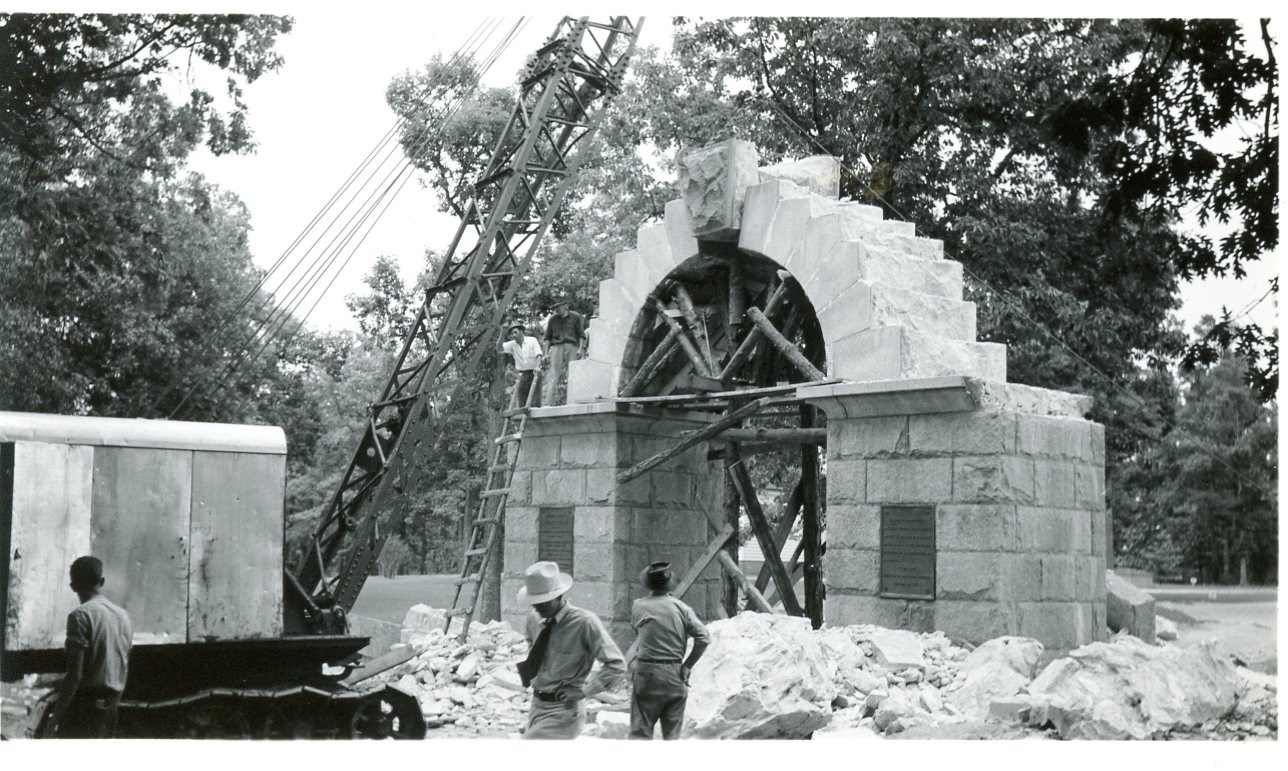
563,96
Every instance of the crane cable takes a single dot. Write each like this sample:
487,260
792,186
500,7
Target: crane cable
278,317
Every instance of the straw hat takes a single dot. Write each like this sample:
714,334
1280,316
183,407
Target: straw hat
542,582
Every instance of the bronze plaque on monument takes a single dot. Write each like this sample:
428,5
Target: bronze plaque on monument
554,537
908,552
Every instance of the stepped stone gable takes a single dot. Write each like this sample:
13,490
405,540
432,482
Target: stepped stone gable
923,415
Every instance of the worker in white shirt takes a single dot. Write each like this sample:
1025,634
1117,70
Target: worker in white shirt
527,354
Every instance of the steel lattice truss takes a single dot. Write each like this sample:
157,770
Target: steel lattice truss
562,99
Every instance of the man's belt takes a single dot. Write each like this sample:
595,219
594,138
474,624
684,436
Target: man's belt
546,696
659,661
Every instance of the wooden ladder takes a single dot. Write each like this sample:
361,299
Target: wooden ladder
482,542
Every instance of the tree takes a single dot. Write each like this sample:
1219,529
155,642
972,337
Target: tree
1223,463
116,261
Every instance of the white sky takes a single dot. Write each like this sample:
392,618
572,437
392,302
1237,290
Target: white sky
318,117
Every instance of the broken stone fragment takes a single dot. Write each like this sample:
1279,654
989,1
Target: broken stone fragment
1165,628
897,649
1128,608
468,668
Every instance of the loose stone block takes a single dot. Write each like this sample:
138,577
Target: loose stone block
971,433
1097,444
971,576
972,622
820,174
853,569
996,478
1045,530
846,481
883,437
1058,578
1128,608
1057,438
714,180
973,527
910,480
852,526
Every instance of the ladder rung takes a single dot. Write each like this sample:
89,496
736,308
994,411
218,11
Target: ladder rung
486,521
470,579
515,411
498,467
454,612
508,438
475,552
497,493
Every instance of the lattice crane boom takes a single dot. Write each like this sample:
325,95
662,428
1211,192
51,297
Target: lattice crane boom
562,99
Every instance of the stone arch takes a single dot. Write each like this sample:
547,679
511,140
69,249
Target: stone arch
889,305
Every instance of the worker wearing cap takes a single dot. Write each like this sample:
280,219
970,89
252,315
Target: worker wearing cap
565,641
99,638
565,342
660,673
527,355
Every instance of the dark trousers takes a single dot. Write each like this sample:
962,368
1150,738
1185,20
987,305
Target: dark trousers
524,386
658,694
92,715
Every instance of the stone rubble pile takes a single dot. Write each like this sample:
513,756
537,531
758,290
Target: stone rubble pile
472,685
1125,688
772,676
763,677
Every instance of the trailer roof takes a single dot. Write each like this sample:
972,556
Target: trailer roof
137,432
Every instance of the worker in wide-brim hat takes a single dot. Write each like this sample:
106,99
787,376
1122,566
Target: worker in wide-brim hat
527,355
663,626
564,643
